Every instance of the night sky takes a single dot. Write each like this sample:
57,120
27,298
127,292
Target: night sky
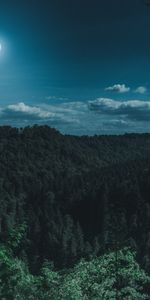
80,66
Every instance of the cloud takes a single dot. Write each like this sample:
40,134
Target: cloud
62,113
141,90
119,88
56,98
131,109
23,110
99,116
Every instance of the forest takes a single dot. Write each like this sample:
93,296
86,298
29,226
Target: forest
74,215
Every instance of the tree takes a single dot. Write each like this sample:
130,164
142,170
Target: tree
48,282
16,283
88,280
96,279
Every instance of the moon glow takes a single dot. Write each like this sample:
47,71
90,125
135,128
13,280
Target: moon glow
0,47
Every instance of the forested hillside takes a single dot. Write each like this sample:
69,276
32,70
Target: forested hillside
76,196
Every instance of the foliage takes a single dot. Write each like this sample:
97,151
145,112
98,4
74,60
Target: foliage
63,198
97,279
101,278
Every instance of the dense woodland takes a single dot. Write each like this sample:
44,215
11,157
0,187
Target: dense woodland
67,198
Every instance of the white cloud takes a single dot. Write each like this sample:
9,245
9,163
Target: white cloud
141,90
57,113
24,109
99,116
131,109
56,98
111,104
119,88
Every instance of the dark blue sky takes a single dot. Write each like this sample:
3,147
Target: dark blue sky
60,52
